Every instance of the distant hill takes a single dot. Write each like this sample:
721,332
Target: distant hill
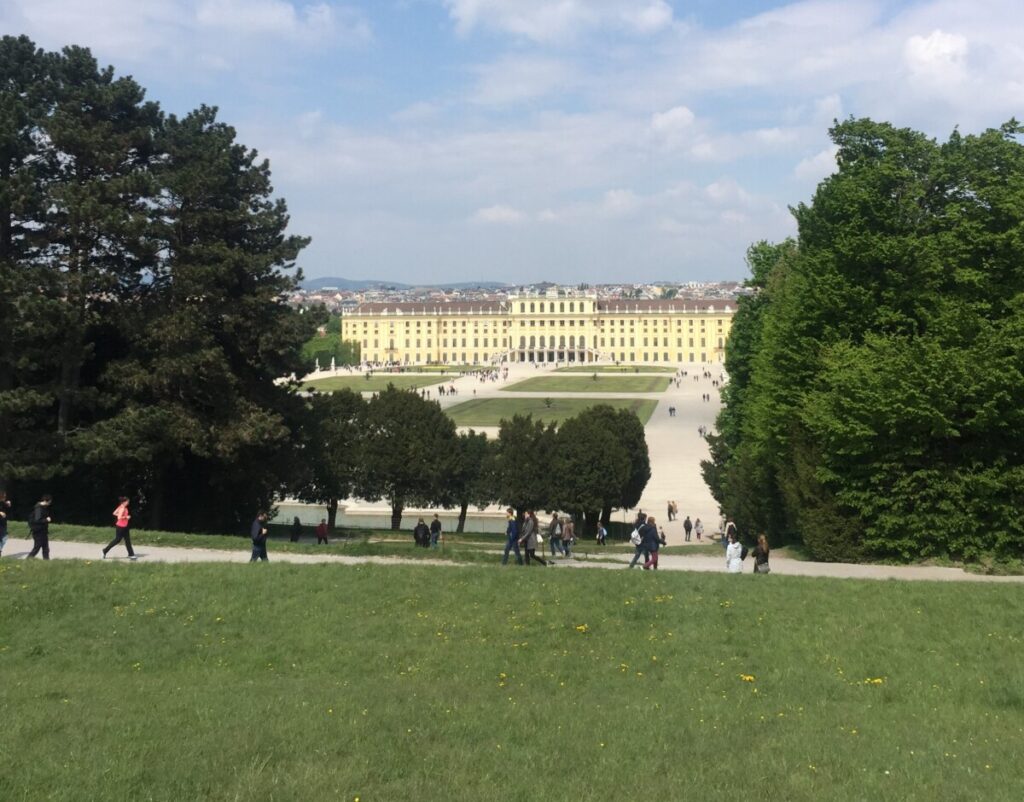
355,285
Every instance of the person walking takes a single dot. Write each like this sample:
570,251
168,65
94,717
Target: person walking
687,528
730,529
733,554
698,529
511,538
528,539
568,536
761,551
652,540
602,534
637,539
258,532
668,513
296,529
435,531
5,509
555,534
321,532
122,519
39,526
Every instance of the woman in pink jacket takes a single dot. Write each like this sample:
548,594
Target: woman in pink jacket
122,519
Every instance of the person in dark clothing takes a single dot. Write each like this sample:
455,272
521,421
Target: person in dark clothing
39,526
761,552
122,520
531,528
5,510
687,527
512,538
435,532
421,534
651,541
321,532
258,532
638,527
296,529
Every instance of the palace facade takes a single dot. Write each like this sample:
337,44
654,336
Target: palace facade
540,329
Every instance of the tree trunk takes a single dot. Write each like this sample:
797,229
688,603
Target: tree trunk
606,516
590,519
332,514
462,519
396,514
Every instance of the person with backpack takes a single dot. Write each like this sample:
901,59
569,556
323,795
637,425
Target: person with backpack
637,539
568,536
39,526
687,528
555,534
258,532
122,517
733,554
5,508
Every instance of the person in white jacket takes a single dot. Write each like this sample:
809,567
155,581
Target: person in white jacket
733,555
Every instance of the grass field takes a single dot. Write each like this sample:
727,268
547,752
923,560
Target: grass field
238,682
491,411
376,383
586,384
615,369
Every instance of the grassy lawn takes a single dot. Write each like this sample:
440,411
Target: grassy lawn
491,411
616,369
377,382
229,682
586,384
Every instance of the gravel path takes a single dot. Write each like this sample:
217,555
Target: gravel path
70,550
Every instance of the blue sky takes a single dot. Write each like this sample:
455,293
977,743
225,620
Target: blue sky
561,140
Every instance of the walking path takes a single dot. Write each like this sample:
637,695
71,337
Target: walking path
72,550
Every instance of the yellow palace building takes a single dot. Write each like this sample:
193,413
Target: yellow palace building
540,328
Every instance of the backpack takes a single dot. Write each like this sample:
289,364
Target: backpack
635,537
36,518
743,553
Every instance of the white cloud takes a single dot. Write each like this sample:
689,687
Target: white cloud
940,57
281,18
558,20
815,168
517,79
671,128
501,214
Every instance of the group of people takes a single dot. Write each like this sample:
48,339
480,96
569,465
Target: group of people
428,536
736,552
40,518
560,532
647,539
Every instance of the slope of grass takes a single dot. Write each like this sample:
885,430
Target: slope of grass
492,411
591,384
225,682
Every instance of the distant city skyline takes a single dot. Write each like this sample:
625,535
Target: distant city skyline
598,141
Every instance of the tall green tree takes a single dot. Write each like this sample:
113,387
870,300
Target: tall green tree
330,450
409,450
472,479
526,464
878,411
